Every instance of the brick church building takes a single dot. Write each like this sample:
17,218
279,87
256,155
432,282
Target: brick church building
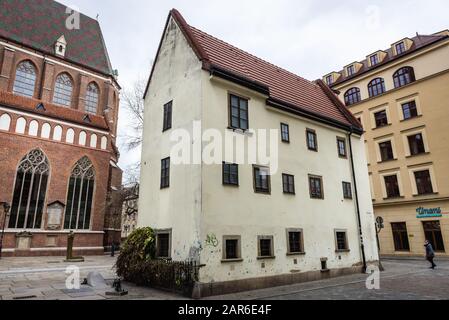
59,103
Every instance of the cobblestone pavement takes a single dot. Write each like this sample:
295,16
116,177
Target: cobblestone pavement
44,278
401,280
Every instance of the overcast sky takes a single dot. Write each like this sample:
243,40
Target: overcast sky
308,37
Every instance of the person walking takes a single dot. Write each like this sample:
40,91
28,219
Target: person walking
430,254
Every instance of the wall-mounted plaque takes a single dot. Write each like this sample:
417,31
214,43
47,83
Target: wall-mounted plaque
55,211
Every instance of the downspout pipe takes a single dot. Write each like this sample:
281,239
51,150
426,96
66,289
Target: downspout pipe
362,245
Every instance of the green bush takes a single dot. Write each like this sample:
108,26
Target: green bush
138,248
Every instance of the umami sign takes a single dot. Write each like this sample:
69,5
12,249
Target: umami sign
429,213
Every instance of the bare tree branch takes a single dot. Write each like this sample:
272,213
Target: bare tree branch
132,100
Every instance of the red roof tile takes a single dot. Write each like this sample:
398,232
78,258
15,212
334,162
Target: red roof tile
283,85
51,110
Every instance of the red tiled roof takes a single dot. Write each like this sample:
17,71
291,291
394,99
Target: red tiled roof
51,110
283,86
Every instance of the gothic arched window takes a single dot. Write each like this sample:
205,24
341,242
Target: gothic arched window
63,90
92,98
80,196
25,81
29,191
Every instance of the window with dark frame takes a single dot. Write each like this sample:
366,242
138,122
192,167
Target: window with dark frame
392,186
230,174
232,249
288,183
316,187
238,112
266,247
312,142
386,151
342,240
403,77
423,182
374,59
341,144
400,236
168,115
350,70
400,48
165,173
409,110
416,144
329,80
295,245
432,231
163,245
347,190
261,180
352,96
376,87
381,118
285,132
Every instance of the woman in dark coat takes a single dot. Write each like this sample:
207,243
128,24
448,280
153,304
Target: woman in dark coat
430,253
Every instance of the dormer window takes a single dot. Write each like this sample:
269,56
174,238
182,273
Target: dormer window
400,48
374,59
60,46
350,70
329,80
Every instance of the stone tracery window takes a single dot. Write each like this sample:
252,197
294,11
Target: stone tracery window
25,81
80,196
29,191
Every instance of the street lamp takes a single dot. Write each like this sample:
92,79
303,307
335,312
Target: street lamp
6,207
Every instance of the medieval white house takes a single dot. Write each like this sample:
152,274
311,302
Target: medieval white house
248,224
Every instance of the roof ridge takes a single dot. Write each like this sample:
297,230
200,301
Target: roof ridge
254,56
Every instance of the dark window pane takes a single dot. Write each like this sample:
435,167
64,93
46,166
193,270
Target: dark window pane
294,239
232,249
341,143
381,118
230,174
288,182
285,133
347,190
265,248
239,113
400,236
423,182
312,140
163,245
416,144
316,188
167,124
341,241
165,173
403,77
352,96
432,231
409,110
261,180
392,186
376,87
386,151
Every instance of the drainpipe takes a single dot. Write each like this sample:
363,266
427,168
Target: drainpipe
362,246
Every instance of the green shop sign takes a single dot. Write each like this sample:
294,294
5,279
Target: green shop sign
429,213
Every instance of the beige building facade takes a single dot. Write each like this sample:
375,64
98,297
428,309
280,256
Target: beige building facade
401,98
311,218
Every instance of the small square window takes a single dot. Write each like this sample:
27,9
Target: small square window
266,247
381,118
347,190
230,174
288,183
285,133
341,240
231,247
409,110
416,144
400,48
312,141
261,180
341,144
316,187
295,241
